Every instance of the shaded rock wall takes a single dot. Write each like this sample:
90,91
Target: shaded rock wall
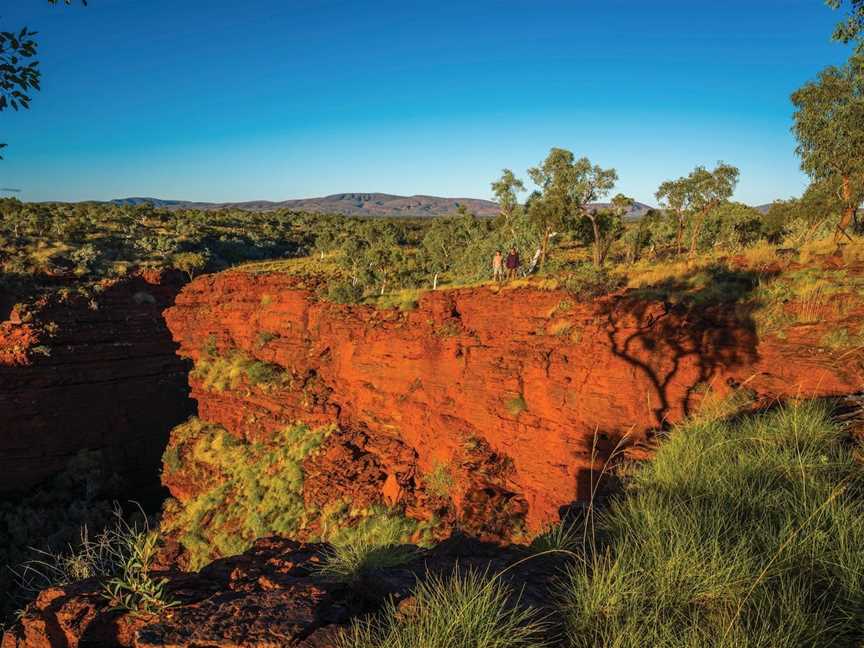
519,394
97,372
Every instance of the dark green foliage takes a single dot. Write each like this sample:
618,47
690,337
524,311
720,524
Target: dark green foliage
344,292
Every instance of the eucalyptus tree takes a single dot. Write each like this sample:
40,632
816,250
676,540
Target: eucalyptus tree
672,196
829,126
446,242
506,190
850,28
692,197
568,187
707,190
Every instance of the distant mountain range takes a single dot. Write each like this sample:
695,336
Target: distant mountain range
356,204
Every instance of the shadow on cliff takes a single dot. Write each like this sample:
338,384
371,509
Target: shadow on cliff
107,379
681,336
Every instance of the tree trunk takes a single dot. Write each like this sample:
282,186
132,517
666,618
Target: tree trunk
435,282
679,238
543,247
598,257
694,240
849,209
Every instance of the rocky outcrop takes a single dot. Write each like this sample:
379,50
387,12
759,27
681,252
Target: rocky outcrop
95,371
512,398
272,595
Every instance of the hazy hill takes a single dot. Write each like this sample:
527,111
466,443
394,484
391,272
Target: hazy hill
355,204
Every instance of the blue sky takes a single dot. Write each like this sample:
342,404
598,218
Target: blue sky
278,99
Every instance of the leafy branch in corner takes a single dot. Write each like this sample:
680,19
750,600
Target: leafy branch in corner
19,69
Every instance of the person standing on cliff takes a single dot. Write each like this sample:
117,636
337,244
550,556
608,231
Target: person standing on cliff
498,266
512,263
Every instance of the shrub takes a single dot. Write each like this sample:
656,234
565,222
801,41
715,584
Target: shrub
133,588
51,518
122,553
221,372
344,292
743,533
587,281
467,609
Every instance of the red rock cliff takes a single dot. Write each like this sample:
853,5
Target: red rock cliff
98,373
541,383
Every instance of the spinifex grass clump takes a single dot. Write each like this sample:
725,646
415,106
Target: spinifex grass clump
221,372
373,542
738,534
250,490
464,610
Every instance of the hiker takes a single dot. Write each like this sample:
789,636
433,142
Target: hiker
498,266
512,263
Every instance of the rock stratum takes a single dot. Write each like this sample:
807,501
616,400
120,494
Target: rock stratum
90,372
516,396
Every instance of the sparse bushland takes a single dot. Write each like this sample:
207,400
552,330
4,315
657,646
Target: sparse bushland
466,609
738,533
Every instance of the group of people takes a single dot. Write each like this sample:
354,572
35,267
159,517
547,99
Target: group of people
500,264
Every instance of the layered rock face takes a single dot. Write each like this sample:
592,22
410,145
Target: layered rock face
96,372
517,396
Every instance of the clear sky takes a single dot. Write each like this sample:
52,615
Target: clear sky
275,99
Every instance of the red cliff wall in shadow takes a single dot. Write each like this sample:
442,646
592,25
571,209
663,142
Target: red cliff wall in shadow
106,377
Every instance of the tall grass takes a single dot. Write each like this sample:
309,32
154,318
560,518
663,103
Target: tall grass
374,542
467,609
744,534
122,554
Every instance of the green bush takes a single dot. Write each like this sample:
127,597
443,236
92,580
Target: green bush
345,292
467,609
744,533
122,553
587,281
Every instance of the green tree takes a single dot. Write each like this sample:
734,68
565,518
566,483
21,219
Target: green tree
850,28
190,262
600,228
829,126
446,242
696,195
506,190
568,187
672,196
